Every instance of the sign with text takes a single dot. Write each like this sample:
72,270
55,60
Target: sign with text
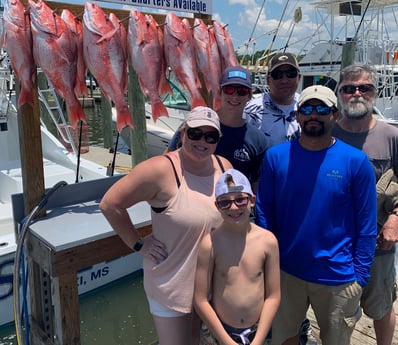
192,6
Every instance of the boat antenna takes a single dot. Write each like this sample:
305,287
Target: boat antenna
251,34
361,21
297,18
275,35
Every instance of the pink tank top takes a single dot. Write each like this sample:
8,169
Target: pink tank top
189,215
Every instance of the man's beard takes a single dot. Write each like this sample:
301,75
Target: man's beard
313,131
357,110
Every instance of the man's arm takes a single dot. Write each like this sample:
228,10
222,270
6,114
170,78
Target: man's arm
388,235
365,206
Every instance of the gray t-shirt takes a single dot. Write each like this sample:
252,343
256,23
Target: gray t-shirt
380,143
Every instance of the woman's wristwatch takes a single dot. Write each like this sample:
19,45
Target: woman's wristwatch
138,245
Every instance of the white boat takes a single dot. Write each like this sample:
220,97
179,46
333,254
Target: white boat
59,164
160,132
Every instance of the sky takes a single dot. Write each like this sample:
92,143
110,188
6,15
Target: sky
245,25
253,24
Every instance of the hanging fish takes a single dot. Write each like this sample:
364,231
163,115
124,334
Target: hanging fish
208,59
105,53
146,57
17,40
225,45
56,53
76,27
179,56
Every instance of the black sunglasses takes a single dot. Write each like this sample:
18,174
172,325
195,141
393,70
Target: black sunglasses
226,204
240,90
351,89
320,109
211,137
278,74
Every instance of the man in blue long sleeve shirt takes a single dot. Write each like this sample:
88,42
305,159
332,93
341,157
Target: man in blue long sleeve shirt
318,196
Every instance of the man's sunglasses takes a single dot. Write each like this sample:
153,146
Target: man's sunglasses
211,137
240,90
320,109
278,74
226,204
351,89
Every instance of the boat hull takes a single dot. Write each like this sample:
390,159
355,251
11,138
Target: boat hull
88,279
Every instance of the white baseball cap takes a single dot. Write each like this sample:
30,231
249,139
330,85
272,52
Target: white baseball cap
232,181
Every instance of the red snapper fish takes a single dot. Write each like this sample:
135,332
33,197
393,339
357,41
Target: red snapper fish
225,45
17,40
76,27
146,56
208,59
105,53
56,53
123,38
164,86
178,51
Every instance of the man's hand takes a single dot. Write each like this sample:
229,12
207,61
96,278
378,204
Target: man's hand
388,235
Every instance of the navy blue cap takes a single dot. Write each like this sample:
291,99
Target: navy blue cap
236,75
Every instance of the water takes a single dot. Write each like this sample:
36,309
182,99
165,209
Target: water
117,314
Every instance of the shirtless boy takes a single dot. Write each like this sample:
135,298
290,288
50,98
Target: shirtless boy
237,289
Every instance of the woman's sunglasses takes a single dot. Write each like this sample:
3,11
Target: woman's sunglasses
320,109
351,89
227,203
240,90
278,74
211,137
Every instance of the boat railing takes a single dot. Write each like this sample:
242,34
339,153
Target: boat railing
64,131
7,91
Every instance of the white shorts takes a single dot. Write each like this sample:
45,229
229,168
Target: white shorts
160,310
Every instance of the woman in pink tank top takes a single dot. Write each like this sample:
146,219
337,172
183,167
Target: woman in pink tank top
179,187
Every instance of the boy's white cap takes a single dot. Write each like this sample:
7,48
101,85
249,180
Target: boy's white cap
232,181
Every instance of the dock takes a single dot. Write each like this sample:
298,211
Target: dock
363,333
102,156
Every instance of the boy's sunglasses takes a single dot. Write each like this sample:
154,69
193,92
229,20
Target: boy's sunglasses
226,204
240,90
351,89
278,74
211,137
320,109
